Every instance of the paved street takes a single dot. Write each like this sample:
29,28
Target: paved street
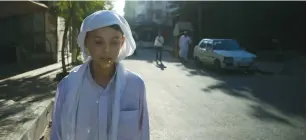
190,104
185,103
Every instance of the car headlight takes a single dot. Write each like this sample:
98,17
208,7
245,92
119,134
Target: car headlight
228,60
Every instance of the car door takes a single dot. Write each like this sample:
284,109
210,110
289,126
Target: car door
208,53
211,55
203,51
198,49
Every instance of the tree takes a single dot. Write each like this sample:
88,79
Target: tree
74,12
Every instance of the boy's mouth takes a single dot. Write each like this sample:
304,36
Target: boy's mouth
105,62
105,59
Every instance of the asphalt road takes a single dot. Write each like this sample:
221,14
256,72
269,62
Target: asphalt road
186,103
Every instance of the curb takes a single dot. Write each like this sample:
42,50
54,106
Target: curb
37,127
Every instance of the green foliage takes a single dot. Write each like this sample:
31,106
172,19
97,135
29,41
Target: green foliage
80,9
79,59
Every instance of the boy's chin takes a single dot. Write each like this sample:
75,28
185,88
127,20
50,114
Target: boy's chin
105,64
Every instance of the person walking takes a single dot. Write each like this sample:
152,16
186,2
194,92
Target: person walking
100,99
159,41
184,43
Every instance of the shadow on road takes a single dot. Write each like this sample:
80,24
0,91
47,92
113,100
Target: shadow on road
287,94
283,93
276,98
160,65
266,116
149,55
18,94
14,69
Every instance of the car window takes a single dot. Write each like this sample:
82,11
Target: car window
200,42
229,45
203,44
209,45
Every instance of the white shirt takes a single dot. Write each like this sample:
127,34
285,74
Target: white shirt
95,106
159,41
184,42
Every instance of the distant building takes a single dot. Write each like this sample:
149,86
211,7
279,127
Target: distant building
30,33
147,17
254,24
150,12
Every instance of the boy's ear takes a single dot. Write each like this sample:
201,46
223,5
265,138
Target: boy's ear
123,41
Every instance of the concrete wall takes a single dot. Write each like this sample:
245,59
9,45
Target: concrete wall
29,37
51,35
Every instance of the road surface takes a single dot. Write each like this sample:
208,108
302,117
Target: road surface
186,103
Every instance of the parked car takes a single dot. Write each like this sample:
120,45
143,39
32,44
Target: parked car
223,54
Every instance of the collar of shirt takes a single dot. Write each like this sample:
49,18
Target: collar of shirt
90,77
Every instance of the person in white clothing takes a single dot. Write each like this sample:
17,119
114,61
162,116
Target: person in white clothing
158,45
100,99
184,43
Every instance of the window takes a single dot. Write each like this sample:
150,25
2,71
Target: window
209,45
202,44
229,45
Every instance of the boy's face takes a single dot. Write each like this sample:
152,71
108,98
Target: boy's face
104,45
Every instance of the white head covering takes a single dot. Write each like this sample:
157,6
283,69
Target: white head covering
105,18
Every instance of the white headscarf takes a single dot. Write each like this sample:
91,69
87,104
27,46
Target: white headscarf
105,18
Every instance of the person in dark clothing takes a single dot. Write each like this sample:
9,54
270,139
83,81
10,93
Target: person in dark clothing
159,41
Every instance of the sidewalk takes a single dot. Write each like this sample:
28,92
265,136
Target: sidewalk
26,103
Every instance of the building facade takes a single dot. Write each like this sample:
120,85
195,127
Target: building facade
150,12
31,33
146,18
254,24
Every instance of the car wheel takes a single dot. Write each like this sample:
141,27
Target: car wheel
217,65
197,62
